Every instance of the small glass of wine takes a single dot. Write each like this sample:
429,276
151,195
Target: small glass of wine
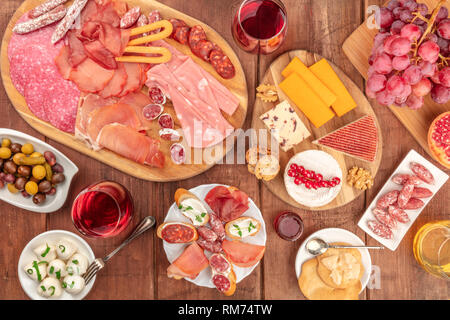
102,210
259,26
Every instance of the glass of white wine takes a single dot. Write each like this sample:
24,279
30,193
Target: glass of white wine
432,248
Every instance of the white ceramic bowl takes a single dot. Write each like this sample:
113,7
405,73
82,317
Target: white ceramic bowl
330,235
52,203
29,285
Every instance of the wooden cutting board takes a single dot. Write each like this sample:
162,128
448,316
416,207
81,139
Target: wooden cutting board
357,47
171,171
348,193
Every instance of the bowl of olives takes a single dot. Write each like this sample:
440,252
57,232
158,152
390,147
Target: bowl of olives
33,175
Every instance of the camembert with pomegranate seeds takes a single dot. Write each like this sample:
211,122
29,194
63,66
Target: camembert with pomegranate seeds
285,125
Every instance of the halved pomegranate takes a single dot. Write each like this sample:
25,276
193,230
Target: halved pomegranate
439,139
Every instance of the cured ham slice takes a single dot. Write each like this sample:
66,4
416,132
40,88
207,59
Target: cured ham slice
243,254
76,48
138,101
90,77
227,202
134,73
88,104
189,264
116,113
358,139
131,144
62,62
117,83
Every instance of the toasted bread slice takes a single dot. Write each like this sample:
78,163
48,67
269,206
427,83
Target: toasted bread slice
242,227
194,232
198,214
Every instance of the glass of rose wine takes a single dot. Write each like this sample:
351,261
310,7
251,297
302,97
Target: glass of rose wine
259,26
102,210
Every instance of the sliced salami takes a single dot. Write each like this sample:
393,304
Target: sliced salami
196,34
181,34
170,134
387,199
221,282
166,121
398,214
222,64
380,229
178,153
157,95
175,24
152,111
217,226
414,204
219,264
384,217
153,17
422,172
203,49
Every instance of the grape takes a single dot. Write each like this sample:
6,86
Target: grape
406,92
443,29
419,22
414,102
432,37
382,64
400,101
385,98
406,16
440,94
422,88
427,68
397,26
443,45
396,12
384,18
388,41
422,8
395,85
392,5
400,63
444,77
411,5
435,77
412,74
442,14
429,51
400,46
411,32
378,40
376,82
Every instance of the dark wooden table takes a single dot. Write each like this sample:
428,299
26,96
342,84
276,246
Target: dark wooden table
139,272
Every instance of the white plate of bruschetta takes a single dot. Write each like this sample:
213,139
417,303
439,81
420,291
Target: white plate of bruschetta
214,236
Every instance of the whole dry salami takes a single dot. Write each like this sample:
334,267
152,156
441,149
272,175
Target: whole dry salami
422,172
215,247
217,226
380,229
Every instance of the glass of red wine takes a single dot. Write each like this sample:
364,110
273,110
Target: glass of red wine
102,210
259,26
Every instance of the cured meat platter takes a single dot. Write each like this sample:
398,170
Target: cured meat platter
362,111
358,47
171,171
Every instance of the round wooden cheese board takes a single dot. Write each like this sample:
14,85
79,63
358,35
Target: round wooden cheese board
273,76
171,171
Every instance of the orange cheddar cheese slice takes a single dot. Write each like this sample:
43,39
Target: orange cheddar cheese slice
326,74
306,100
297,66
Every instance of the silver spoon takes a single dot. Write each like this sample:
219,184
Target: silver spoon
317,246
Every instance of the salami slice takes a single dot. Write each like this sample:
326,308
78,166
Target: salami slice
196,34
130,18
207,234
387,199
221,282
178,153
175,24
152,111
170,134
153,17
398,214
166,121
384,217
177,233
203,49
222,64
380,229
219,264
422,172
181,34
157,95
403,178
217,226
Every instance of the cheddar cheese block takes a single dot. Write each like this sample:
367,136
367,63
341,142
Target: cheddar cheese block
306,99
326,74
285,125
297,66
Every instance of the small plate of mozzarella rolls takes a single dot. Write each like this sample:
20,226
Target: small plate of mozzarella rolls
191,220
52,265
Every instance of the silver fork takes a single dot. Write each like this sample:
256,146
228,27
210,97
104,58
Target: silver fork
99,263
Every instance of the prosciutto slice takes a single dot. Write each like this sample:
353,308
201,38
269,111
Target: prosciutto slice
227,202
189,264
116,84
131,144
90,77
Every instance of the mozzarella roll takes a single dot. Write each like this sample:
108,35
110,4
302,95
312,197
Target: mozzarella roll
57,269
77,264
73,284
65,249
45,252
36,270
50,288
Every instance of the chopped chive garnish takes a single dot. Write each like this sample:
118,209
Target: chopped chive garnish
62,248
36,267
58,274
72,284
51,269
43,288
70,271
240,233
46,251
64,285
53,290
30,271
198,218
203,214
189,208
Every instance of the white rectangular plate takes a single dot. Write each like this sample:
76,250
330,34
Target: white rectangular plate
440,178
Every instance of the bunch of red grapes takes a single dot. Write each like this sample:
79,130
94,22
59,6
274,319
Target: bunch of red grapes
410,55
